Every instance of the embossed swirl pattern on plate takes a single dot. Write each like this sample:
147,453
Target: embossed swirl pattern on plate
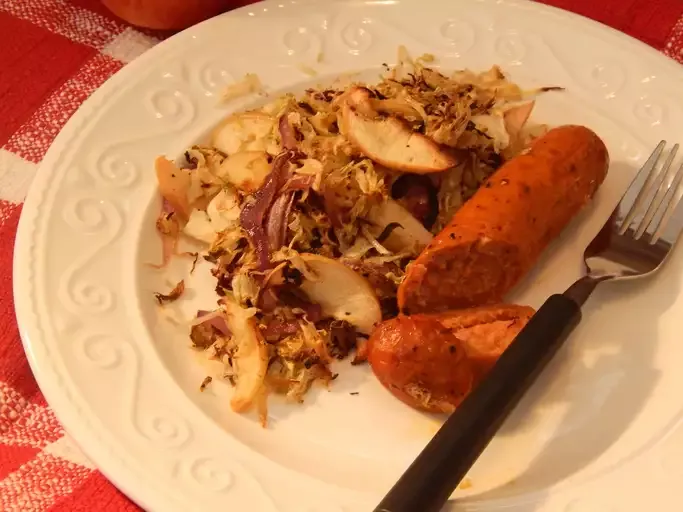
166,428
459,34
166,107
115,170
92,216
649,111
98,350
213,76
607,78
302,41
357,36
610,77
156,424
171,106
211,474
511,49
101,219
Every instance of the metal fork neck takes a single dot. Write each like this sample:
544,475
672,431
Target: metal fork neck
583,288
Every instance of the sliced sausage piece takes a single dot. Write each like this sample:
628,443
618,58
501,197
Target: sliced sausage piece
499,234
420,362
486,331
431,362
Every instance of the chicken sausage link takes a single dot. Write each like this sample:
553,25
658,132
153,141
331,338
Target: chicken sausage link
499,234
420,362
485,331
431,362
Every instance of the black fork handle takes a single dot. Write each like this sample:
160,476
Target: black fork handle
433,476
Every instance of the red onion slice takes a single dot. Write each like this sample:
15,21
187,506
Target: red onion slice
215,319
298,182
287,134
276,225
253,214
278,328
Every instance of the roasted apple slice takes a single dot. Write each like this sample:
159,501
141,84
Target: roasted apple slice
389,141
250,361
341,293
409,234
246,170
250,131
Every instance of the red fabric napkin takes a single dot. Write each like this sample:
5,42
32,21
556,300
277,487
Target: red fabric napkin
55,53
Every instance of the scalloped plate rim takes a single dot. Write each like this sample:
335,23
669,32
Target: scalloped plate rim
63,409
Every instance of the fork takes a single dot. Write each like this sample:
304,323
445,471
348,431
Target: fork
634,242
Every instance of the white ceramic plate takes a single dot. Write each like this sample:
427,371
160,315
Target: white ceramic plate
600,431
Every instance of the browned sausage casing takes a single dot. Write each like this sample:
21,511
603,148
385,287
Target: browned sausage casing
485,332
498,235
431,362
420,362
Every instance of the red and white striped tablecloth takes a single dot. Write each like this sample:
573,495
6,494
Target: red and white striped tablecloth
53,55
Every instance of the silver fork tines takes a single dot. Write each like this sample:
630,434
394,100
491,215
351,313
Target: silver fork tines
671,200
649,170
657,195
663,187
